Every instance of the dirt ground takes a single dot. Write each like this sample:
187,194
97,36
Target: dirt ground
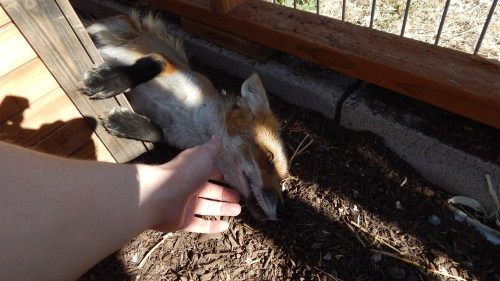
354,211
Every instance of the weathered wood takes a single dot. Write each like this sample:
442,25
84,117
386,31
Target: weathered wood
225,6
67,139
50,33
224,39
14,49
93,149
452,80
23,86
4,18
41,119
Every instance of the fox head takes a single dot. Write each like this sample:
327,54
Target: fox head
253,159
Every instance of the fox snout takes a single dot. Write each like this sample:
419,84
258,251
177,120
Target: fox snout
268,208
264,201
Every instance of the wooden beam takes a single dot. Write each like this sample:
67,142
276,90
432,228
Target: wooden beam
59,39
225,6
452,80
226,40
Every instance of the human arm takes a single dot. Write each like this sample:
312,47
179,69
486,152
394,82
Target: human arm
59,216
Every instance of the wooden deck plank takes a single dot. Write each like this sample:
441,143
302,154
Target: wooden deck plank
44,117
93,149
455,81
14,49
23,86
67,139
4,18
49,32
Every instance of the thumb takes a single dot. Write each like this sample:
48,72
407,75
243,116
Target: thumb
214,146
198,160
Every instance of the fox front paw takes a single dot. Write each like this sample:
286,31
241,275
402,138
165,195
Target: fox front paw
105,81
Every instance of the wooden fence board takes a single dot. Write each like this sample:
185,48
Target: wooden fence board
23,86
455,81
51,34
14,49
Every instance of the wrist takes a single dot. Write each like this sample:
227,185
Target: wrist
154,185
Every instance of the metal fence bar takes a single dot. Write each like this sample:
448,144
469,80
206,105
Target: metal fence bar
485,26
372,14
295,4
405,18
443,18
343,10
317,7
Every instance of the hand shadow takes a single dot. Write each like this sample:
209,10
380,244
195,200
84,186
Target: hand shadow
70,138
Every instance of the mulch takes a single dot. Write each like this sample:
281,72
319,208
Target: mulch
353,211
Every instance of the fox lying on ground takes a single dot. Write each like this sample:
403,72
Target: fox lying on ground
181,107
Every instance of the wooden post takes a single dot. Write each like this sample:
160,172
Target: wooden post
56,34
225,6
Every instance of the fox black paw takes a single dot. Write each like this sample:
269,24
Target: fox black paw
124,123
105,81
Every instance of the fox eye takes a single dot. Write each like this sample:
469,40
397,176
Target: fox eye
270,157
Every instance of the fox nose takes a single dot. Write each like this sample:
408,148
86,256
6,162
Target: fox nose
274,202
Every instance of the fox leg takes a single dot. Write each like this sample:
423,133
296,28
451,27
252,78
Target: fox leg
108,80
125,123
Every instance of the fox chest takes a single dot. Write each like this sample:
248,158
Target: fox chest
185,115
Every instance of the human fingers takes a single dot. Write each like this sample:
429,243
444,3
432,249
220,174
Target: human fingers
218,192
208,207
200,225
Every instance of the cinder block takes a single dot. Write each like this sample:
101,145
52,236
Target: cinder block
448,167
292,79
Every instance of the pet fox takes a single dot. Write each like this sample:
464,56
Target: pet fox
177,105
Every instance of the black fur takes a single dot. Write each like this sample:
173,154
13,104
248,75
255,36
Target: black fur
124,123
105,81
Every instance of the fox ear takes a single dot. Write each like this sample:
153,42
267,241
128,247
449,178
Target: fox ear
254,95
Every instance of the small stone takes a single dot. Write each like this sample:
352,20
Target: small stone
399,206
434,220
375,258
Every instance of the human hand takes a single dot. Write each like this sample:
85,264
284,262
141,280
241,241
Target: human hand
188,193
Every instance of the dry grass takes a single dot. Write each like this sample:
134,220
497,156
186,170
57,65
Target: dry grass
463,25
